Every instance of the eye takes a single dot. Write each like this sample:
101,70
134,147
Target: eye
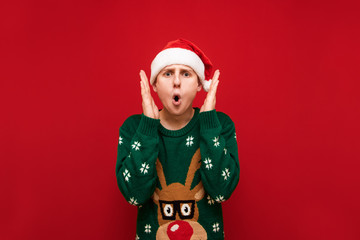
186,74
167,74
185,209
168,210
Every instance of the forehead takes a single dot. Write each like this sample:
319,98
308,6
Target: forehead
177,66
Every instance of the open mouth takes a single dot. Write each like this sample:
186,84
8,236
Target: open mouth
176,99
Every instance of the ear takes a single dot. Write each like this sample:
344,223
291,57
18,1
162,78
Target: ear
199,87
155,196
154,88
199,191
154,85
200,194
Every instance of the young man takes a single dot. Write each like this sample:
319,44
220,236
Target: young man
178,164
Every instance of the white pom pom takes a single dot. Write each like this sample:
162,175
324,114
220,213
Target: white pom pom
206,85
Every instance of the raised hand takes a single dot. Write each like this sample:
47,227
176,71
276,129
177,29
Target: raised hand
148,104
210,100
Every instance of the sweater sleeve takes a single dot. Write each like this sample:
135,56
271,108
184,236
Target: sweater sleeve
220,168
138,150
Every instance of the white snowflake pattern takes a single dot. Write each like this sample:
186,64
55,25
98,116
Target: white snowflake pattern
225,173
216,227
220,199
136,145
189,141
208,163
235,135
126,175
120,140
210,200
216,141
129,155
225,151
137,237
148,228
144,168
133,201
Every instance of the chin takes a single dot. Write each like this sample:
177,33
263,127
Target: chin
177,111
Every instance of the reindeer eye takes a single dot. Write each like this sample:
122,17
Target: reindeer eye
185,209
168,210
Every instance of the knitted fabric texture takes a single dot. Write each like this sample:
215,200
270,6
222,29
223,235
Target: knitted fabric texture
178,179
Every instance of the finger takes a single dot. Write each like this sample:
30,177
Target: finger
142,88
141,76
215,78
213,81
144,94
145,79
214,89
216,75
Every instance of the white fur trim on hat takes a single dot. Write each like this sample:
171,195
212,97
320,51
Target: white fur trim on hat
183,56
206,85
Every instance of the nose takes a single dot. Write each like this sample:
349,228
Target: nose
179,230
177,80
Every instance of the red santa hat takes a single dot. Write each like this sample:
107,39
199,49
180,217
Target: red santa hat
184,52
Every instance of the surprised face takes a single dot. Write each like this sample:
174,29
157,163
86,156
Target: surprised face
177,86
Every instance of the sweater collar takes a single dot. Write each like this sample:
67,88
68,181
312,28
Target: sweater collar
181,131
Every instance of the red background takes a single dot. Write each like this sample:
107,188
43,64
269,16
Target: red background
69,78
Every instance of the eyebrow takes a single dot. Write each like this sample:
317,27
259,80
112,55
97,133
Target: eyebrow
173,68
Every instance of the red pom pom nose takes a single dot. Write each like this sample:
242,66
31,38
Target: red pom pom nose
179,230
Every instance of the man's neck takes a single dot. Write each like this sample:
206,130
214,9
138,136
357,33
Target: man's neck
172,122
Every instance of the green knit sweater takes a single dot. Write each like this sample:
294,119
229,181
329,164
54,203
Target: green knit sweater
178,178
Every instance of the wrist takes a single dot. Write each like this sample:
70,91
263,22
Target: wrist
209,119
148,126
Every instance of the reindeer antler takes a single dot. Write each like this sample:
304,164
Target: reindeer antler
194,166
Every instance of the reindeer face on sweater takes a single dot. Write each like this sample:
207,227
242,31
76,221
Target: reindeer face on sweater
177,205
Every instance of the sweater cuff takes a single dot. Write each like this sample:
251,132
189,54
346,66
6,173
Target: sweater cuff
148,126
209,119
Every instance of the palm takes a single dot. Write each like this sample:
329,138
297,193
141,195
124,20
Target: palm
210,100
148,104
